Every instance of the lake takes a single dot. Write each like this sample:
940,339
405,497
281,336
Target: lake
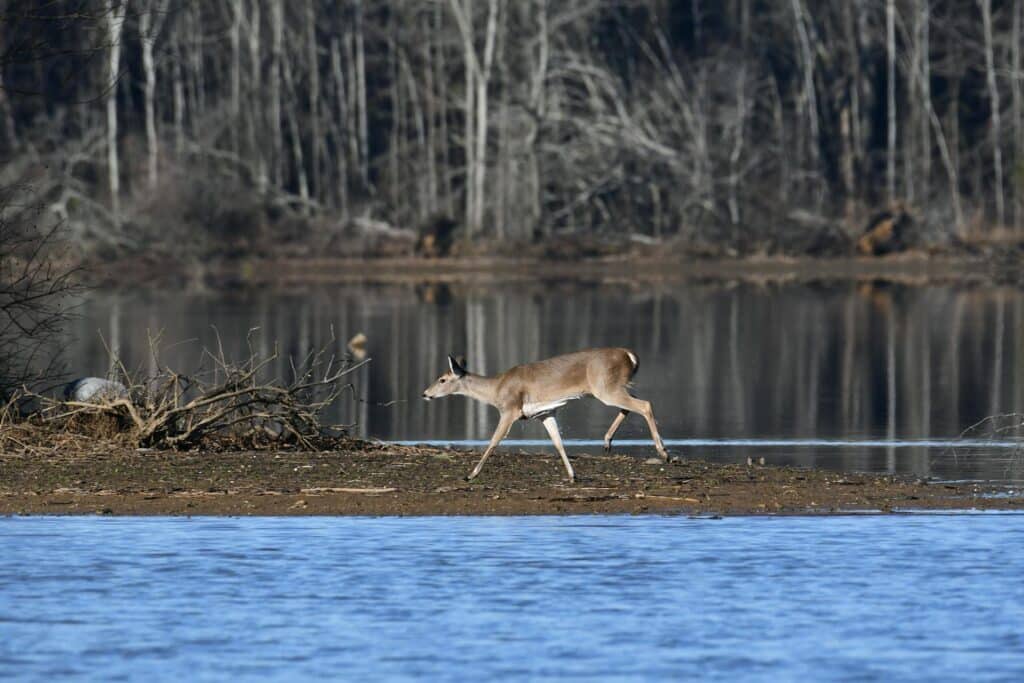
896,598
844,375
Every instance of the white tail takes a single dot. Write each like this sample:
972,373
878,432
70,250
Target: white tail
537,390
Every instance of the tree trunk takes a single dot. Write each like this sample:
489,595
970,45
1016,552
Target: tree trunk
538,100
1018,133
809,95
178,88
423,184
115,23
352,132
277,146
149,20
315,142
926,97
430,115
235,37
256,103
478,73
364,134
294,133
464,20
481,115
9,130
993,98
342,126
890,107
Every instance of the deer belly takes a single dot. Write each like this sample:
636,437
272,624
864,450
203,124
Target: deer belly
540,409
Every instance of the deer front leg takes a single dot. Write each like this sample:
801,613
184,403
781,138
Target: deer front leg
504,425
556,438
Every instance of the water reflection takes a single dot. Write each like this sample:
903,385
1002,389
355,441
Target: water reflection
844,360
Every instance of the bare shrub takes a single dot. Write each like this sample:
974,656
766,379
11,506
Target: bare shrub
222,400
36,285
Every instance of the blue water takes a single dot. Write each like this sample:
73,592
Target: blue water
914,597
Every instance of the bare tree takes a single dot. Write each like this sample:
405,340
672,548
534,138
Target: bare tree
890,100
34,293
116,12
994,106
151,19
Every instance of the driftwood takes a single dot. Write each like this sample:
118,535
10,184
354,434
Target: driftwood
177,410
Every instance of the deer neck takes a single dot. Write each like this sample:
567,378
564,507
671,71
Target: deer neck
480,388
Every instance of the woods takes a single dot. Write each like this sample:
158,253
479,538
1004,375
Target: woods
750,126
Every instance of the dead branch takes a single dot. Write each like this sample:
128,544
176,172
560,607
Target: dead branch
180,410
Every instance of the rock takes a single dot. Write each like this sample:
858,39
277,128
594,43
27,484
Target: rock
94,390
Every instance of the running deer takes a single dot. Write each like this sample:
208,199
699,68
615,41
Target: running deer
536,390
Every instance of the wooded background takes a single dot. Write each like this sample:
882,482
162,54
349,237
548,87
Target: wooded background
761,125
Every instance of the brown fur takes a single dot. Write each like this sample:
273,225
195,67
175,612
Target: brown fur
537,390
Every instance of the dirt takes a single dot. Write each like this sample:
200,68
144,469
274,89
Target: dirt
377,479
911,267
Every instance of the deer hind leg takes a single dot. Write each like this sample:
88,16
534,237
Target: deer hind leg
504,425
614,428
621,399
556,438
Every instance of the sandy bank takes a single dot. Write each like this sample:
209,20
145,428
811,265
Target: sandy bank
378,479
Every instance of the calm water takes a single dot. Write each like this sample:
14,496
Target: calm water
845,361
851,598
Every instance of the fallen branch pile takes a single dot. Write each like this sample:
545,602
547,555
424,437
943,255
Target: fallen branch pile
225,400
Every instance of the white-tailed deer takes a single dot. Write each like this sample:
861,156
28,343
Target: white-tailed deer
536,390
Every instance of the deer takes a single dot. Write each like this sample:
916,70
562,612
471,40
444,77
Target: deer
535,391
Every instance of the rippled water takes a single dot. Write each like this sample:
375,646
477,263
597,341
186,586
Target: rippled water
861,363
916,597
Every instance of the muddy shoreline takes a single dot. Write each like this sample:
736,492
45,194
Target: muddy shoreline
379,479
912,268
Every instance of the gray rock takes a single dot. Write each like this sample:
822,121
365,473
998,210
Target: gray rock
94,390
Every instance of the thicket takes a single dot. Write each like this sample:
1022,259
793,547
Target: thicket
738,125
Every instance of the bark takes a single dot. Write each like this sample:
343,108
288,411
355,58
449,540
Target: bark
430,116
364,126
315,142
115,24
478,74
275,123
1015,81
538,101
235,37
993,96
423,184
341,126
6,114
150,20
442,116
464,20
809,95
890,101
298,160
926,97
256,104
178,89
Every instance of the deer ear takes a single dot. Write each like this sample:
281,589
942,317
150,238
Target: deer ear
458,365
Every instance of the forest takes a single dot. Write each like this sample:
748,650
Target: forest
724,127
